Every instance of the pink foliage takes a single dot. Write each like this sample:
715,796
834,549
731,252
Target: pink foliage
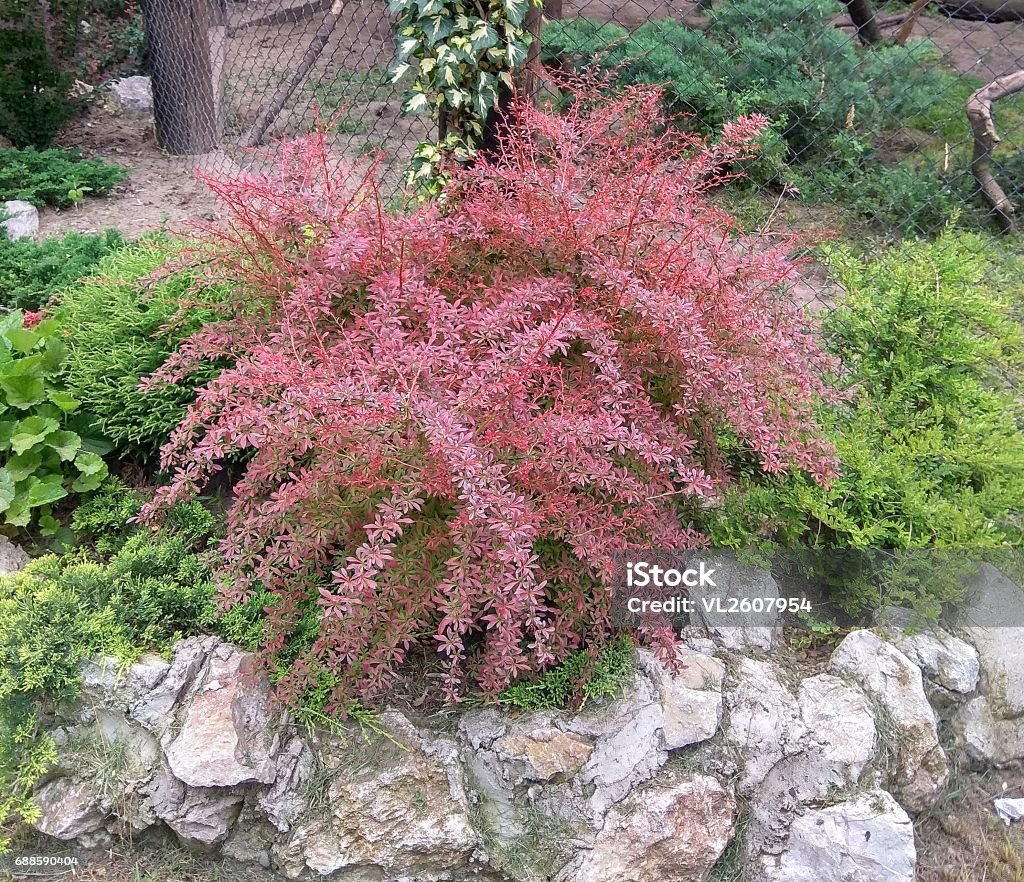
455,417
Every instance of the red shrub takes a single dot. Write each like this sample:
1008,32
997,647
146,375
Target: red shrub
455,417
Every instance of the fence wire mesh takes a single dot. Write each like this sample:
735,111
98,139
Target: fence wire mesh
870,138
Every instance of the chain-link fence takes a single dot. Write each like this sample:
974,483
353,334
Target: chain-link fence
870,129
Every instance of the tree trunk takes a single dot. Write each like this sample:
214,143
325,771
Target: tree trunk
531,79
979,112
862,13
186,94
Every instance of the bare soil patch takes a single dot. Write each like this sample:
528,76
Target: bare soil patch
160,190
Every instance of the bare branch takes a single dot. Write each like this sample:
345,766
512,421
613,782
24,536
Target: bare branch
979,112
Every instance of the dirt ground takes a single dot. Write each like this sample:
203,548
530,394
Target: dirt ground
963,840
161,189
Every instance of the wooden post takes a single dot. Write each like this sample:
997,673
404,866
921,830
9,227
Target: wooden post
186,96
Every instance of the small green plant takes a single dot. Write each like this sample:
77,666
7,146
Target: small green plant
580,679
43,452
54,177
120,325
105,520
813,632
31,273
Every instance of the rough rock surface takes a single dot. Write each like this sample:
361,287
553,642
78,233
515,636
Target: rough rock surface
764,721
896,684
995,618
12,557
636,789
399,813
673,830
945,660
20,219
989,740
627,745
841,721
742,581
691,697
227,735
70,808
869,838
132,97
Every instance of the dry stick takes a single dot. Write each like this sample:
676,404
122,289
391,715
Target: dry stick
979,112
903,34
269,113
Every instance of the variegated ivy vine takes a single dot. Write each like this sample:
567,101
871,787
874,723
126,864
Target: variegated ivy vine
459,54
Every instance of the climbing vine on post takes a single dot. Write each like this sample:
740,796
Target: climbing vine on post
458,57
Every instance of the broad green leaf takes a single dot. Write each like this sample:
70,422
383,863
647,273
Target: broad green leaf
99,446
65,401
48,524
30,431
23,392
89,463
22,339
54,353
48,328
88,483
18,513
13,319
67,444
24,465
7,489
46,491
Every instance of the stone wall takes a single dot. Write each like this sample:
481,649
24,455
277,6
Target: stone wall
829,768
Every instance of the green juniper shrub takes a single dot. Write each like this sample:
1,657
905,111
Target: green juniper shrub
827,99
46,446
154,589
104,521
55,177
931,438
116,326
31,273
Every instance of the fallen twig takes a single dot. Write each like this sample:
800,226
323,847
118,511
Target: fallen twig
979,112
